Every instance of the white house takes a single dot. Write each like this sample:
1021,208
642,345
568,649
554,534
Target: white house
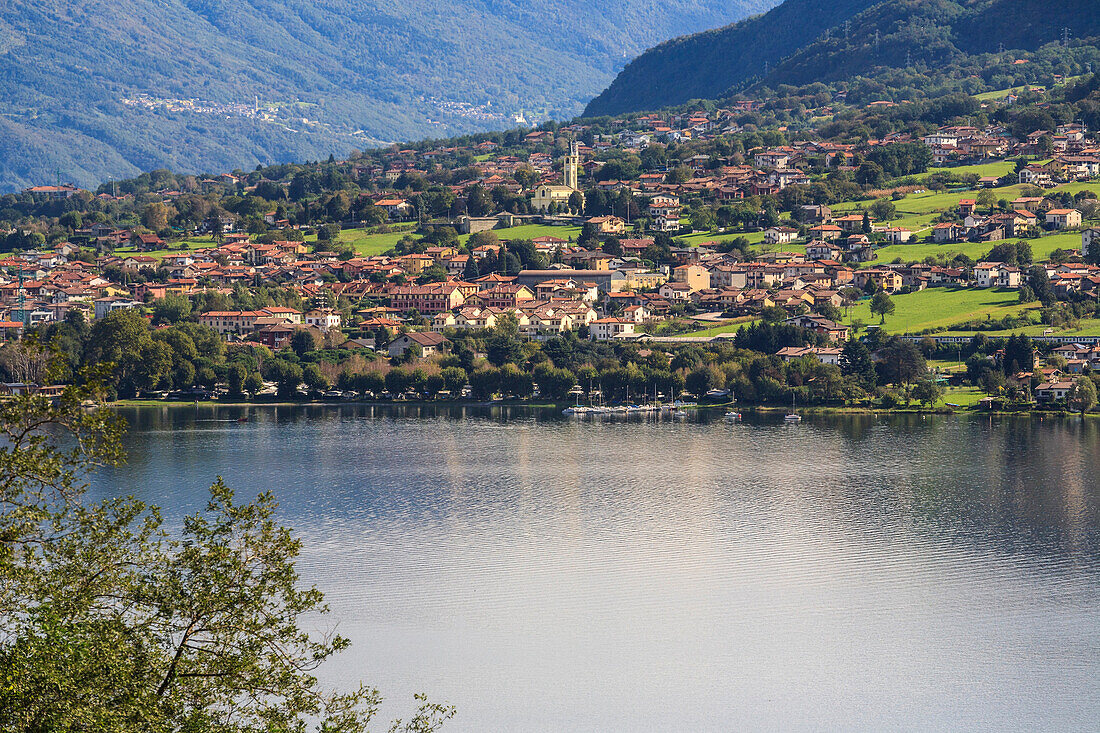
326,319
780,235
1089,237
605,329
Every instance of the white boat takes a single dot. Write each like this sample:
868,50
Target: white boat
791,416
733,415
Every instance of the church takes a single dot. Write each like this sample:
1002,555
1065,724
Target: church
546,194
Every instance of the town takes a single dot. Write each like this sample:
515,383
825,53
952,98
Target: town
643,237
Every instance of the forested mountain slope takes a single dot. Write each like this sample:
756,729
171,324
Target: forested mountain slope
803,41
96,88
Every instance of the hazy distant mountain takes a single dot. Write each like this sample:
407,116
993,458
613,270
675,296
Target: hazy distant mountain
97,88
802,41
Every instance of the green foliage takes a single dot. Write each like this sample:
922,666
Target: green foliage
110,621
1083,395
928,392
485,383
171,309
856,362
454,379
707,64
904,50
882,305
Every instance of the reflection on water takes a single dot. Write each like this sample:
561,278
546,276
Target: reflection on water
549,573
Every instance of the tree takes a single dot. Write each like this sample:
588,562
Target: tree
856,362
485,383
479,202
110,624
987,198
504,345
287,376
314,379
434,385
418,380
1019,355
155,216
471,272
576,202
1039,282
235,376
118,339
870,174
370,382
883,305
928,392
703,379
326,233
900,362
171,309
454,379
884,209
397,382
553,383
303,341
253,383
525,175
515,381
702,218
1082,395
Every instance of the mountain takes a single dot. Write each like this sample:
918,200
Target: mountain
704,65
803,41
91,89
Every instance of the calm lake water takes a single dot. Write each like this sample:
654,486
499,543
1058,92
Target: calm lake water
544,573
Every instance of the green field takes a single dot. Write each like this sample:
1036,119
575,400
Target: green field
698,238
732,326
531,231
1000,93
995,168
962,396
370,245
184,245
366,244
1086,327
1040,249
941,308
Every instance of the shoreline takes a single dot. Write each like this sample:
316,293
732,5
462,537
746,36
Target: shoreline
723,406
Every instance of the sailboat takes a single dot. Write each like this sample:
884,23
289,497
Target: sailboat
577,409
792,416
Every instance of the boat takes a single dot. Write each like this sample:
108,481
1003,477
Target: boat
733,415
576,409
792,416
242,419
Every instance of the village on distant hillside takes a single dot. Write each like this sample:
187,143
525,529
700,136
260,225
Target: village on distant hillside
663,229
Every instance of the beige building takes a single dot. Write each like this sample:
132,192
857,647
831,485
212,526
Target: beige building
694,276
547,194
1064,218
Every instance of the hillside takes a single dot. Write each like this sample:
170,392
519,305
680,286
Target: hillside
107,88
804,41
707,64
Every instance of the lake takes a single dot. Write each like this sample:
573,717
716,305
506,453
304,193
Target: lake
545,573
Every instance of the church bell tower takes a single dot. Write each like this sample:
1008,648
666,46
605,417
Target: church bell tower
572,163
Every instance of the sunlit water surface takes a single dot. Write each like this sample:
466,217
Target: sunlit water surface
543,573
